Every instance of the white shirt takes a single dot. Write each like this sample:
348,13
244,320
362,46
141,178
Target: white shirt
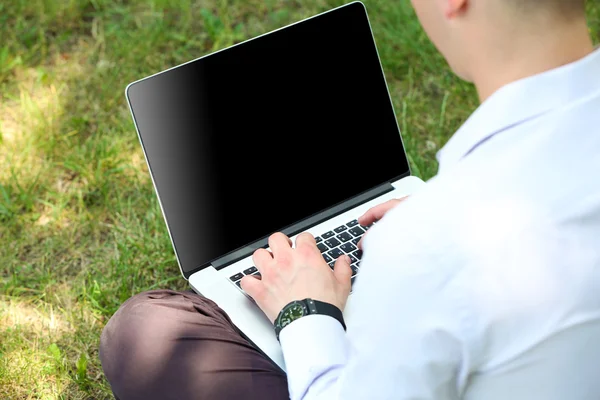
486,283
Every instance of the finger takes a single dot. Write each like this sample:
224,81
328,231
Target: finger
343,272
278,241
254,287
360,242
305,238
376,213
262,258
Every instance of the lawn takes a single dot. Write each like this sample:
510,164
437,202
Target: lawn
80,226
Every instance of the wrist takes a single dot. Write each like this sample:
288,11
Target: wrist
302,308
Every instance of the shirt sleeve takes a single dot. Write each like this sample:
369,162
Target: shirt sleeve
315,351
406,325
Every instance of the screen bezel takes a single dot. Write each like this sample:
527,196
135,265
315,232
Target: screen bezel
261,242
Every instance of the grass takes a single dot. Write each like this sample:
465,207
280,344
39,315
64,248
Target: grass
80,227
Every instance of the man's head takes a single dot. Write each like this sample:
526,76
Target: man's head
468,31
562,9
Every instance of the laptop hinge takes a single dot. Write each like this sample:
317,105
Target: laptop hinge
303,225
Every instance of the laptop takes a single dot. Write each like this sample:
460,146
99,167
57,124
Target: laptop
290,131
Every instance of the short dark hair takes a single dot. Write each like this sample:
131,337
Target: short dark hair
566,8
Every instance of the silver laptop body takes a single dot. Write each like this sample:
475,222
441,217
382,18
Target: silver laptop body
291,131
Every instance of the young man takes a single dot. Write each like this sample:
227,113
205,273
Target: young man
492,270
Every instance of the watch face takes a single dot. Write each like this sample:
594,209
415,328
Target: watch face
291,313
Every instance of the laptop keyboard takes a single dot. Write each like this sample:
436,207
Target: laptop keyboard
332,244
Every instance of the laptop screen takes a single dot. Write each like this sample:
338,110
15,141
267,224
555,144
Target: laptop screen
246,141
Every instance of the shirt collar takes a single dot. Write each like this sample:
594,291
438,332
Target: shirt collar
520,101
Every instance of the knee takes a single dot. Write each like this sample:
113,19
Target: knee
134,342
121,333
166,344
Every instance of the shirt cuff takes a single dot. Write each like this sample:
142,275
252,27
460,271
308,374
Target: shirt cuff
315,350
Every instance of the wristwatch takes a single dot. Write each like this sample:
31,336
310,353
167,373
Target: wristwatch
301,308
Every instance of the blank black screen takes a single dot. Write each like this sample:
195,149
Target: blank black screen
248,140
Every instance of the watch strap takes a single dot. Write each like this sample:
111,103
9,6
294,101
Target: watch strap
312,307
322,308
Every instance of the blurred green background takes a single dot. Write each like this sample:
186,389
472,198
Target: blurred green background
80,227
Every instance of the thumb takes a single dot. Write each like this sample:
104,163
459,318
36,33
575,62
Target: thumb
342,271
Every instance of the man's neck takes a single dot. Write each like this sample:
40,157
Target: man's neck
531,54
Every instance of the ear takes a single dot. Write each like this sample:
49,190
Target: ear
455,8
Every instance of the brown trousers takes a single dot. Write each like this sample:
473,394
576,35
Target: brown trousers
164,344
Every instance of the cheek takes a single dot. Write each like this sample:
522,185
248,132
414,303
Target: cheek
431,20
460,72
430,14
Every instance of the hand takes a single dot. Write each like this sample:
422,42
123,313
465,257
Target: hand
290,274
375,213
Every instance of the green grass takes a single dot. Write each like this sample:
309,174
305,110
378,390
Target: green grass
80,227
